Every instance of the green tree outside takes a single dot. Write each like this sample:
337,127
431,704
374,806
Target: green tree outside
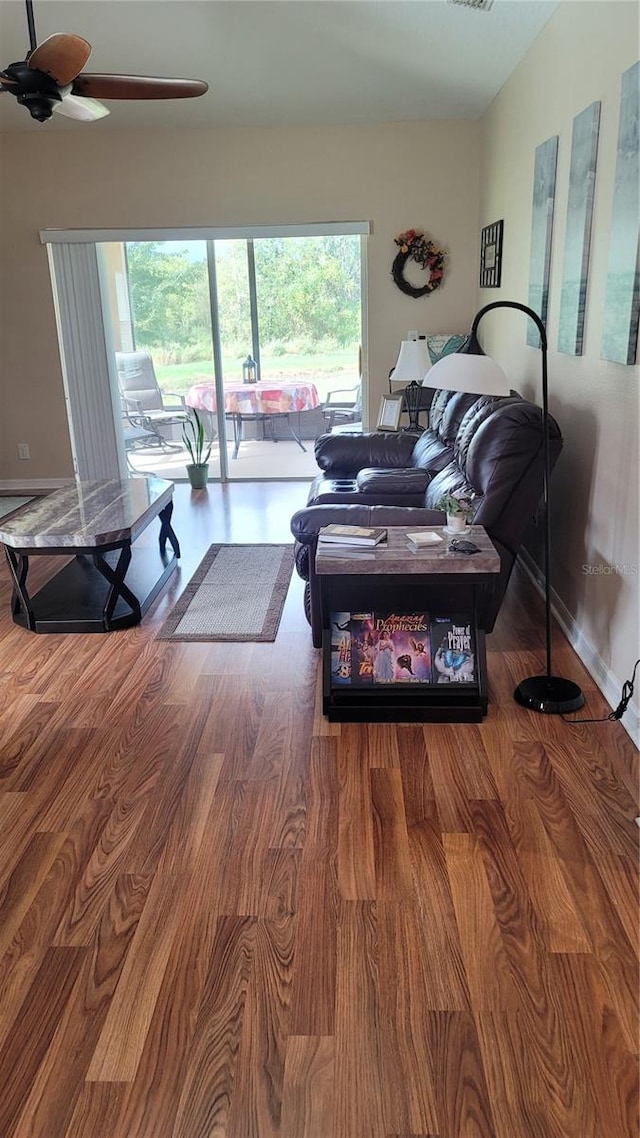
308,292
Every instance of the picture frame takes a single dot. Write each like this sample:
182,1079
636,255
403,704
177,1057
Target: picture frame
542,211
389,412
491,255
621,315
577,234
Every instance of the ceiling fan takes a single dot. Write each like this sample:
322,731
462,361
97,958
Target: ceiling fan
51,79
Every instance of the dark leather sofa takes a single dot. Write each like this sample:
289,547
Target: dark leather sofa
492,446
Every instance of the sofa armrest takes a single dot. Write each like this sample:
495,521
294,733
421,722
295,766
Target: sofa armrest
306,524
349,453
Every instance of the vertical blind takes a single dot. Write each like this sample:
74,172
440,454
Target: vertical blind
85,357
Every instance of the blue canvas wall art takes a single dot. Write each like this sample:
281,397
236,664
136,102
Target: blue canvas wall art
622,296
577,239
544,193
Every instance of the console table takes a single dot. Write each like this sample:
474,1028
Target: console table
361,587
107,584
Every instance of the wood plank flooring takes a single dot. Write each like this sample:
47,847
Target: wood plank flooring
223,917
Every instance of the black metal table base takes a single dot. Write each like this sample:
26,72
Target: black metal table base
267,421
100,590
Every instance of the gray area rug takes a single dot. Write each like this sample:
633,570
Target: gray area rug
8,505
237,593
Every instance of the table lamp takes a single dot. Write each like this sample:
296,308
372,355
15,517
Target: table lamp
413,361
471,370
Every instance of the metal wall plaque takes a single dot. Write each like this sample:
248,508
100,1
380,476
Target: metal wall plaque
491,255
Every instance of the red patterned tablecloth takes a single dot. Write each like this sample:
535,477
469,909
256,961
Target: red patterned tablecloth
255,398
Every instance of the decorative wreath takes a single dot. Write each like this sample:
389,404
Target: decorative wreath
414,246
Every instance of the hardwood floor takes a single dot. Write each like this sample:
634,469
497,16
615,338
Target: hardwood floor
221,915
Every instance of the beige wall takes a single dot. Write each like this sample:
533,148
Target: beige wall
396,175
423,175
578,58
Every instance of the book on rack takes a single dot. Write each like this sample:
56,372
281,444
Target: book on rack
371,648
452,650
351,535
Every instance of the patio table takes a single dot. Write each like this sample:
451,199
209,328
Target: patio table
256,402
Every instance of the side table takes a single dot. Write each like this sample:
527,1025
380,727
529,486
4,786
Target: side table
366,590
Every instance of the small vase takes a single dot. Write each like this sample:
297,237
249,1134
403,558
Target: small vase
456,523
198,475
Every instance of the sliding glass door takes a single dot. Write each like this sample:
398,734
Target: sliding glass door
256,332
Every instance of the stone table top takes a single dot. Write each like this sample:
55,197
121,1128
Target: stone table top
400,556
87,514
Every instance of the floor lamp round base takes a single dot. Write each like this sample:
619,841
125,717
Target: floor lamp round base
549,694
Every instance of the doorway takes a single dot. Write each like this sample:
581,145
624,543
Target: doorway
260,335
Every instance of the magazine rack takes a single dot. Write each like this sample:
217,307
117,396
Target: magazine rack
420,597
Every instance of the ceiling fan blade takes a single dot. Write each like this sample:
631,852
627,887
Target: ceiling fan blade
84,110
60,56
137,87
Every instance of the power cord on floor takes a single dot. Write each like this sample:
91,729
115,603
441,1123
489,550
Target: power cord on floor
627,692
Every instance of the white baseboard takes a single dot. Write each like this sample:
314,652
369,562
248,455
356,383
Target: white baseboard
29,485
610,685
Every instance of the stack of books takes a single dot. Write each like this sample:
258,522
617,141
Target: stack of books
345,540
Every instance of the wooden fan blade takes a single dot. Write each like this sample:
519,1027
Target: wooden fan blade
137,87
60,56
8,80
84,110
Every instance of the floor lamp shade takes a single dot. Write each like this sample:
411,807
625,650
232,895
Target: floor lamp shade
459,372
468,370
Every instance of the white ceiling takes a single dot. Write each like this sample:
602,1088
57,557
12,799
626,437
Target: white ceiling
286,62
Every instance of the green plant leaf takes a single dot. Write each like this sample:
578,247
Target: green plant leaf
194,439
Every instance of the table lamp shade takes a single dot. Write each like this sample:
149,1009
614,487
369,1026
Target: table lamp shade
413,362
461,372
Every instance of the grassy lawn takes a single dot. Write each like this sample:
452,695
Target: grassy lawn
327,366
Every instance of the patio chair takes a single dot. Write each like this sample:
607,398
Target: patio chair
135,435
343,406
143,397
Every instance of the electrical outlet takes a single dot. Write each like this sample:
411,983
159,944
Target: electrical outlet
23,451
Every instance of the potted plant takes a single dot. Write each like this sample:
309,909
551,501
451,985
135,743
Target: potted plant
193,437
459,508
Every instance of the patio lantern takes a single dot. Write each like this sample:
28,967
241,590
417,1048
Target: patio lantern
249,371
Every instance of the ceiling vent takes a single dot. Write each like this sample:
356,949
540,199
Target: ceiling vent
482,5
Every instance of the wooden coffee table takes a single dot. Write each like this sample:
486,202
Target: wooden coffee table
107,584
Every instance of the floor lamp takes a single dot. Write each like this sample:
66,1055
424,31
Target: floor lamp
471,370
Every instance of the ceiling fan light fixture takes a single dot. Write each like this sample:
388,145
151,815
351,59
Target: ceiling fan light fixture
51,77
81,109
39,104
